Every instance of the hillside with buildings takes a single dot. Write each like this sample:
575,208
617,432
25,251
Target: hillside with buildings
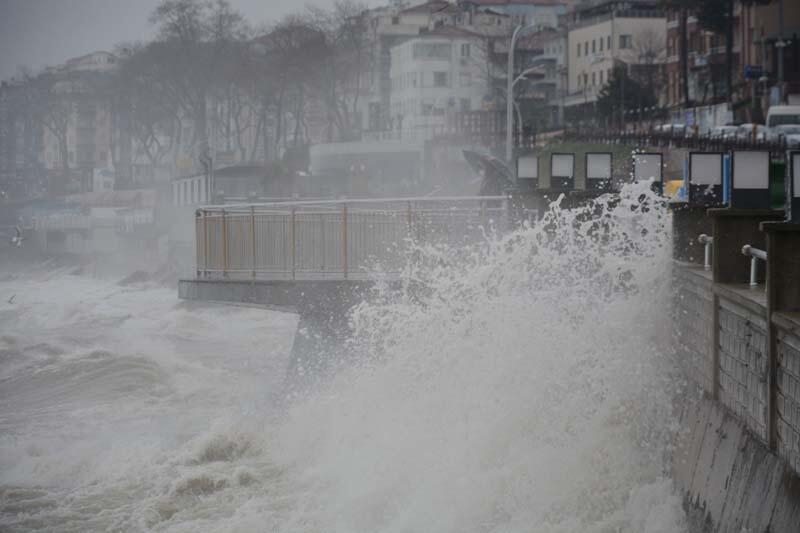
301,105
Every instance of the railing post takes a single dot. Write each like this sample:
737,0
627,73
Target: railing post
253,237
224,246
292,237
205,244
754,271
344,239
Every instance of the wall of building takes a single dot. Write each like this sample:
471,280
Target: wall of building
596,60
425,90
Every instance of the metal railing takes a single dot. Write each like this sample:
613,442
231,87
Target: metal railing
708,243
755,254
334,239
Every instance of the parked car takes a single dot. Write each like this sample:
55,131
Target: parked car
673,130
751,132
724,132
788,132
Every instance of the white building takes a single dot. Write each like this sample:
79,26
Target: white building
608,33
434,76
392,25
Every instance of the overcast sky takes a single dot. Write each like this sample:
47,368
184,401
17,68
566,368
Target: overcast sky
38,33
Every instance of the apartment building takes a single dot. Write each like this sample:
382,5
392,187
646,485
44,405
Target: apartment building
390,26
78,127
605,34
546,85
537,13
434,76
764,37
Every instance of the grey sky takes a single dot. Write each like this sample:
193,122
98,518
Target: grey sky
38,33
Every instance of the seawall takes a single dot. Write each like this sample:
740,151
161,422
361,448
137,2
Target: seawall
737,455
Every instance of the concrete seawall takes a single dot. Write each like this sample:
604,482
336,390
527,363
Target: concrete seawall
737,456
730,480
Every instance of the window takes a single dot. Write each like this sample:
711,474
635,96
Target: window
601,74
432,51
465,51
601,44
466,105
586,48
395,21
426,108
579,49
608,43
440,79
594,79
593,46
625,42
465,79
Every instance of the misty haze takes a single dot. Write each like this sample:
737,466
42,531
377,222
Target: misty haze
400,266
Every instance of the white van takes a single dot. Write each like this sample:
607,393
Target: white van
779,115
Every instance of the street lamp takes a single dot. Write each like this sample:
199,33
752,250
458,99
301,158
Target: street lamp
510,91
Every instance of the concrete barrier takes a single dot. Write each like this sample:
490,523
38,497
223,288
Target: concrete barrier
737,458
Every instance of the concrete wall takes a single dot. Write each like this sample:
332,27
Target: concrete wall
731,481
732,477
788,390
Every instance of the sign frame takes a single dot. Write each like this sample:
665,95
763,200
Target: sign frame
700,195
565,183
793,186
748,198
660,178
533,181
599,184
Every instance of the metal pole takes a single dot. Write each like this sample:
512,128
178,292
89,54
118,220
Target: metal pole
708,242
344,239
292,235
224,245
205,244
755,254
253,237
780,45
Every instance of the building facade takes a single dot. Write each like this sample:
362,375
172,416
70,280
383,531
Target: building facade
608,34
540,14
434,76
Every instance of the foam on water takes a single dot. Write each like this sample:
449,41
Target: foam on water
519,385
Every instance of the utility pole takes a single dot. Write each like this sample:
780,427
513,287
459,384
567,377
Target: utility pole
780,45
624,74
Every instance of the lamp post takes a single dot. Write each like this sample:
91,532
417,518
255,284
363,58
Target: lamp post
780,45
510,92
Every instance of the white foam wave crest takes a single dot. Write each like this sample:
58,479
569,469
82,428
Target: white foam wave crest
519,385
524,389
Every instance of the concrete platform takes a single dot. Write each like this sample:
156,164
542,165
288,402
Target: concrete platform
303,296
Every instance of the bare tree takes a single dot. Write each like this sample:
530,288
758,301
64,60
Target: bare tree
340,86
197,45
